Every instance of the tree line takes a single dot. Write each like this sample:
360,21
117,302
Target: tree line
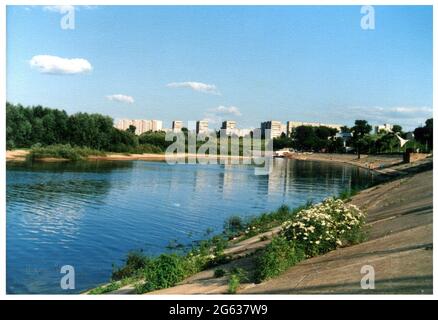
28,126
357,138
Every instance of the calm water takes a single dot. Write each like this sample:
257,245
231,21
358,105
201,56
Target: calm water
90,214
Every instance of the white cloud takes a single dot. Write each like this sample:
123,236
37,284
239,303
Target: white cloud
120,98
217,115
408,117
59,9
196,86
67,8
57,65
227,110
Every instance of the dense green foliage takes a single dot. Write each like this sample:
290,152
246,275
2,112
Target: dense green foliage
27,126
324,139
308,138
62,151
425,134
360,131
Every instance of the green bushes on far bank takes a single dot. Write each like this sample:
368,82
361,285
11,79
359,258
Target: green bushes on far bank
62,151
28,126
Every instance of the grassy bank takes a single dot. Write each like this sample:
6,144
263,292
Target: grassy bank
74,153
307,231
61,151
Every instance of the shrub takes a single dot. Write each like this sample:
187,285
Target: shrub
219,273
135,262
325,227
233,225
64,151
233,284
163,271
237,276
279,255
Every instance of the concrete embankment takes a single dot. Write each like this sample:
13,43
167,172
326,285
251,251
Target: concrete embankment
399,247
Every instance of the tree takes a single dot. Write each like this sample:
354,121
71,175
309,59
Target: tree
304,138
131,128
345,129
397,129
360,131
424,134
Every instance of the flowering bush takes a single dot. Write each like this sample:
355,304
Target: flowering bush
325,227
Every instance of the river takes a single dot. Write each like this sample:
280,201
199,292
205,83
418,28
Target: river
91,214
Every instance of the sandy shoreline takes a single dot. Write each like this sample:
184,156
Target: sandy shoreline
20,155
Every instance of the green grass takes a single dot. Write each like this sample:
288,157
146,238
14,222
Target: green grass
63,151
233,284
106,288
237,276
112,286
278,256
236,226
347,194
167,269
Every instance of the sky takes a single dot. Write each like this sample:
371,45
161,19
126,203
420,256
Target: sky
242,63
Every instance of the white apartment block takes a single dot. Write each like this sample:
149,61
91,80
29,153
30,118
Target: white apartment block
230,127
201,126
276,127
293,124
177,125
385,127
141,126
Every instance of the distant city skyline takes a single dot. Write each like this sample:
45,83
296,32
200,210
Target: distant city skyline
240,63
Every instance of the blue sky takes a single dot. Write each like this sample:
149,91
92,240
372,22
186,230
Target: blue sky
247,64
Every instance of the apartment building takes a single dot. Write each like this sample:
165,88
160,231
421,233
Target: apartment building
385,127
276,127
230,127
201,126
141,126
177,125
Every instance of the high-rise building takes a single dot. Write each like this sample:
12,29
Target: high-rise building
201,126
230,127
384,127
141,126
157,125
276,128
177,125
